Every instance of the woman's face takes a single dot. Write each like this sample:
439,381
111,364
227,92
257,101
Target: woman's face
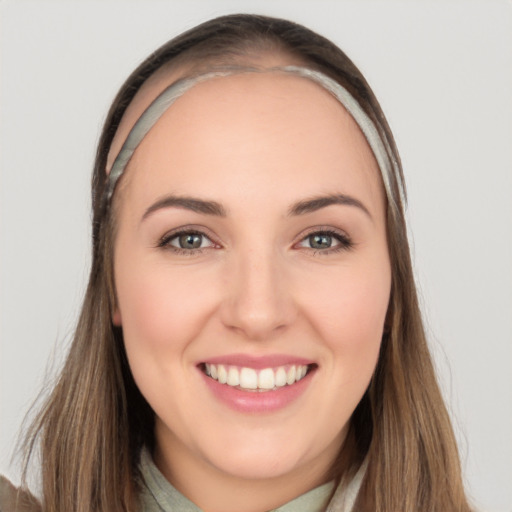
251,248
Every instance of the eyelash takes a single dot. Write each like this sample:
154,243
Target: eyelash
344,241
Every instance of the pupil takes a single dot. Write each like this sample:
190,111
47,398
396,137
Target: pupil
320,241
190,241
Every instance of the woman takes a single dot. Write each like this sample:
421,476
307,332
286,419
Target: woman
250,334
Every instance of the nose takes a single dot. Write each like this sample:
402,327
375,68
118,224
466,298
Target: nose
258,301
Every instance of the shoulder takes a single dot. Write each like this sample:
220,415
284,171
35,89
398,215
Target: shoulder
13,499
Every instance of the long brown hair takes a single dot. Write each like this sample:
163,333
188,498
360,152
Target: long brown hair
93,425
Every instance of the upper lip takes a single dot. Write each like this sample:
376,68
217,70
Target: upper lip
258,362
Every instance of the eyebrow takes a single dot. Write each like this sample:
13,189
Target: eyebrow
317,203
214,208
187,203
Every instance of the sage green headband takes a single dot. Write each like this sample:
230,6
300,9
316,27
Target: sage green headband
156,109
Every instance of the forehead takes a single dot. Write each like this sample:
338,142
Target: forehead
148,92
170,73
268,128
279,107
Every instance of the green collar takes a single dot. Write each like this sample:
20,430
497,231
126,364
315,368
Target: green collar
160,496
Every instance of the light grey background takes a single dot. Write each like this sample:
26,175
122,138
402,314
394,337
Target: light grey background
443,73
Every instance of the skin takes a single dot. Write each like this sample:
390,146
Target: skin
256,145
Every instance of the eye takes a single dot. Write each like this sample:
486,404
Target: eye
188,241
326,241
320,241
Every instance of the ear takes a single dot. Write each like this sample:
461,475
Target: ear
116,317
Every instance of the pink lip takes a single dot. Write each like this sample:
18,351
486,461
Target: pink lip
257,401
258,362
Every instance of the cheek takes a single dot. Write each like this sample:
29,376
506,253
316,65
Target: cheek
162,311
163,307
349,312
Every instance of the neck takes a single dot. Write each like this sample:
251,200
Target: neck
214,490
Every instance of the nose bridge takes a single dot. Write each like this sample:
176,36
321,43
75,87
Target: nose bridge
258,302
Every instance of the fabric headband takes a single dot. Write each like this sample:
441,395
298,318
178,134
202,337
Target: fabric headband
157,108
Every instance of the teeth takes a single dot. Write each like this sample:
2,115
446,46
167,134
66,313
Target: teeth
249,378
290,376
280,377
221,373
266,379
233,377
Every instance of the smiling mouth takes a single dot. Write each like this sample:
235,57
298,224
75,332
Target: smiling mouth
250,379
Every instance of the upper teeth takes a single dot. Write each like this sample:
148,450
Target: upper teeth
249,378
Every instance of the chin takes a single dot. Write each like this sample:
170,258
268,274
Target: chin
259,466
259,456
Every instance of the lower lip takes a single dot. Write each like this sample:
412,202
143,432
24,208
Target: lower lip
257,401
